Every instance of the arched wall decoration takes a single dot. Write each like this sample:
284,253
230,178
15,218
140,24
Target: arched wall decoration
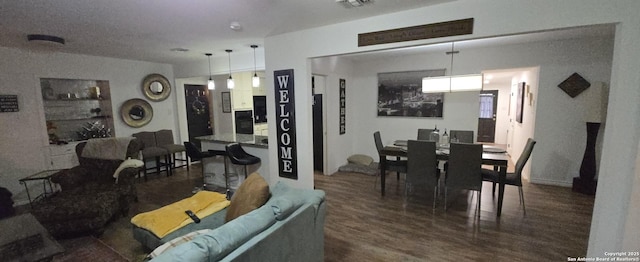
156,87
136,112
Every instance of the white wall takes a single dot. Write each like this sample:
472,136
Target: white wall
566,138
334,69
23,135
291,51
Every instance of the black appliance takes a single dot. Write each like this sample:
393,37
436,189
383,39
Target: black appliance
260,108
244,122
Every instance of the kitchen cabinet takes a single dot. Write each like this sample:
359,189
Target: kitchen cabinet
242,93
62,156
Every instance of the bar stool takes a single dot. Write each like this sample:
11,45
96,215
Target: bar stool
238,156
195,154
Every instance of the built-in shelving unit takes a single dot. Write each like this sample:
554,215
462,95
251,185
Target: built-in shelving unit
76,109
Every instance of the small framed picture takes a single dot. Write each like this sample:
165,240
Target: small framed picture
226,102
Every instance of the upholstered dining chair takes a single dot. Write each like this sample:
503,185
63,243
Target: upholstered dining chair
463,136
150,151
515,178
465,170
398,165
424,134
164,138
422,167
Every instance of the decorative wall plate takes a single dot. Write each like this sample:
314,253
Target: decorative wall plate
574,85
156,87
136,112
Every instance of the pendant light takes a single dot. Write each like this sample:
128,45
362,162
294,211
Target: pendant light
255,81
230,83
451,83
211,84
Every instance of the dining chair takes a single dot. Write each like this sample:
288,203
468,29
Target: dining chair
465,170
424,134
422,167
463,136
515,178
398,165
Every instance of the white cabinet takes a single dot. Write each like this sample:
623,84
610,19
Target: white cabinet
62,156
242,99
260,130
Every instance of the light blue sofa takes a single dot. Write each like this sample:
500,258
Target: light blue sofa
289,227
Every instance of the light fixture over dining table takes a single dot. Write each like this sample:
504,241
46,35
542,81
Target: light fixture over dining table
452,83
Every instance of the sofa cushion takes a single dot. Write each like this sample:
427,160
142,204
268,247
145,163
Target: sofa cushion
218,243
251,194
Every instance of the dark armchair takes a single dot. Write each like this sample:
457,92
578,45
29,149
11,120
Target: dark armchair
90,195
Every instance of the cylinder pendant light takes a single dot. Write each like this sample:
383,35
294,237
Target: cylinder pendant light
255,81
210,84
230,83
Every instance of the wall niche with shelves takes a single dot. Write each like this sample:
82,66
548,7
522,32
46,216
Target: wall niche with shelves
76,109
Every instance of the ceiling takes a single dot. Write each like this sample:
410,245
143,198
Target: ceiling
149,30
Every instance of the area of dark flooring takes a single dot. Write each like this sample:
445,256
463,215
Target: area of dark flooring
361,225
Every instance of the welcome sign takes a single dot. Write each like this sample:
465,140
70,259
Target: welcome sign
286,123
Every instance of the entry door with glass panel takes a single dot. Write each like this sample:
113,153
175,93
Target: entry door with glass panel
487,120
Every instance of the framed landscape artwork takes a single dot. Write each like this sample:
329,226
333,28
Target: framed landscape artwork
400,94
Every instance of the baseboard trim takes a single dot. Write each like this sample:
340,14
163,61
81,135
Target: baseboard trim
551,182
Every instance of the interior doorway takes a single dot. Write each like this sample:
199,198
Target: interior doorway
198,115
318,141
487,116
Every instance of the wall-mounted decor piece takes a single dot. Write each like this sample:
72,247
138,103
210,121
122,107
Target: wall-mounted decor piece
156,87
136,112
9,103
343,105
435,30
520,102
400,94
226,102
286,123
574,85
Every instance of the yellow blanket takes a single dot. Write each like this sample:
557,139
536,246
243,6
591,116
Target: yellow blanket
169,218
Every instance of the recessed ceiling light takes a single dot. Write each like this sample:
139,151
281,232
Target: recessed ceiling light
179,49
235,26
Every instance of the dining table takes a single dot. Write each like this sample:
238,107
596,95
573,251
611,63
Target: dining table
491,155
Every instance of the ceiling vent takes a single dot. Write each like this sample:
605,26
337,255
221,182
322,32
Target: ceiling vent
353,3
45,42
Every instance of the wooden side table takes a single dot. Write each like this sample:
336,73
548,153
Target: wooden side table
45,177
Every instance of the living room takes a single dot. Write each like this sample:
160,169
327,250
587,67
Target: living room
22,69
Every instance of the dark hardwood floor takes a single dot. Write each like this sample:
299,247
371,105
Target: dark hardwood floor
363,226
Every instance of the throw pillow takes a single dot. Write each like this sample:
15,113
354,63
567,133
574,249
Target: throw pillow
125,164
251,194
360,159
